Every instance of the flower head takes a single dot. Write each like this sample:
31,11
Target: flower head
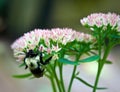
102,20
46,41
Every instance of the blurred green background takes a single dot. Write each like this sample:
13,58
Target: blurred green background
20,16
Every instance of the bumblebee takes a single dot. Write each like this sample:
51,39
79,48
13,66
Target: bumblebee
34,61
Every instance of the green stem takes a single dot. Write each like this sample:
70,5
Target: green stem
57,81
61,77
56,77
72,78
97,77
52,83
51,78
53,74
100,67
99,43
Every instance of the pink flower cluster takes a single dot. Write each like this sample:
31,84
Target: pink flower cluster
32,39
102,20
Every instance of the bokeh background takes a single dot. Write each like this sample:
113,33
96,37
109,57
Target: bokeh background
20,16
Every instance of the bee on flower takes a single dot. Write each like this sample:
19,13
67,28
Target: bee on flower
33,46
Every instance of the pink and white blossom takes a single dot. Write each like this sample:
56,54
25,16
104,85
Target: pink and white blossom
31,40
102,20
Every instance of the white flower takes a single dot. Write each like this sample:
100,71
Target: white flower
32,40
102,20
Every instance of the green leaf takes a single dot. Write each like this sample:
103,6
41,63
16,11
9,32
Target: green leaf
22,75
115,36
89,85
66,61
108,62
21,65
89,59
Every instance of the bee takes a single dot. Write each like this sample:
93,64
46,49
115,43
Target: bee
34,61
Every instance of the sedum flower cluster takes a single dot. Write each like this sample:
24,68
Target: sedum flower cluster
102,20
47,40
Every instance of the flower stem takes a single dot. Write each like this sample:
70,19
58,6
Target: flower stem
100,67
52,83
51,79
72,78
57,81
56,77
53,76
61,77
97,78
